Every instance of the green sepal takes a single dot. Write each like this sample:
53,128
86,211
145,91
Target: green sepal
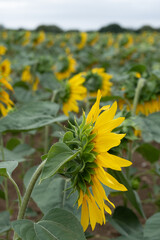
91,165
68,136
87,176
88,157
91,137
89,147
81,184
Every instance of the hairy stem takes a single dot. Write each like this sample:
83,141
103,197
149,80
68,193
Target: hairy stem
139,87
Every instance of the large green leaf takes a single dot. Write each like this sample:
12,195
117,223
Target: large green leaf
7,167
4,221
57,224
152,227
31,116
125,222
149,127
58,155
11,156
149,152
131,195
55,193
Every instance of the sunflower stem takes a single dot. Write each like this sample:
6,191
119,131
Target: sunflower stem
140,85
17,190
29,190
5,180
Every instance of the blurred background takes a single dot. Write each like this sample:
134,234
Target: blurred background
84,15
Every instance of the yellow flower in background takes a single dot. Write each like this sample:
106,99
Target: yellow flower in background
40,38
3,50
92,196
110,40
27,37
93,40
81,40
26,75
5,68
35,84
29,78
96,79
74,92
149,107
67,67
5,101
137,75
129,40
4,35
146,108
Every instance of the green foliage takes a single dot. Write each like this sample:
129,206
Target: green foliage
57,224
149,127
4,221
31,116
56,193
131,195
57,156
126,222
149,152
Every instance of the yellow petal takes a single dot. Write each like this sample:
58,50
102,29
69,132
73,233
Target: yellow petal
94,112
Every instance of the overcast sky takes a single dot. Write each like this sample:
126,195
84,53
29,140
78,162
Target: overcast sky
81,14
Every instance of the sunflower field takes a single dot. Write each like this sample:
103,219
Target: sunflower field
79,136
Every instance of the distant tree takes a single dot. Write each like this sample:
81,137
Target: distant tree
49,28
146,28
114,28
1,27
72,31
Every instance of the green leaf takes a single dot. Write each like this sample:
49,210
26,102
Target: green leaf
152,227
58,155
125,222
57,224
4,221
23,150
7,167
11,156
149,152
149,127
138,68
55,195
31,116
12,143
131,195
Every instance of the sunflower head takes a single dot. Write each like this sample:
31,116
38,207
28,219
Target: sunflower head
93,138
5,68
64,67
81,40
72,92
3,50
96,79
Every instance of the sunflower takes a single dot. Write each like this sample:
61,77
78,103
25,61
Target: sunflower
26,75
3,50
96,79
93,138
27,37
5,68
81,40
40,38
65,67
5,101
74,92
93,198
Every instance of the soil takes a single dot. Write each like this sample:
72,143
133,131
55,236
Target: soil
101,232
